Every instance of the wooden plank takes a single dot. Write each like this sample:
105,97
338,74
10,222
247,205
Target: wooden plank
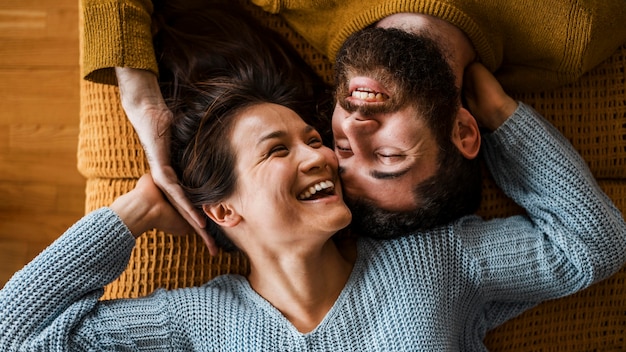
42,138
58,168
4,138
39,23
41,192
28,226
38,52
27,196
39,95
38,35
53,112
17,21
39,4
55,198
33,84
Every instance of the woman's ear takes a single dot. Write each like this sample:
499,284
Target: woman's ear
222,214
465,134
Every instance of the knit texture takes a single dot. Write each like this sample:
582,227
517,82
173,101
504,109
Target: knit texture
590,112
531,44
437,290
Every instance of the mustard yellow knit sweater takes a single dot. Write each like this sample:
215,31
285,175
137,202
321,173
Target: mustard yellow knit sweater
530,44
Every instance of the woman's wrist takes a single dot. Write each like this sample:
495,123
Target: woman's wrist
135,211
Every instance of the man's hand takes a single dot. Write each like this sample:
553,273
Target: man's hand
486,99
146,110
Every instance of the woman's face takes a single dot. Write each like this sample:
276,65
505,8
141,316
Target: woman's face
287,183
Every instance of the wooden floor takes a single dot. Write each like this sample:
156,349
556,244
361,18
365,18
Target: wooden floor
41,192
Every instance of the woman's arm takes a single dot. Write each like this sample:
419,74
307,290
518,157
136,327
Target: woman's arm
44,305
572,235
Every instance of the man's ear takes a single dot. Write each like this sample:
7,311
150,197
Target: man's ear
222,214
465,134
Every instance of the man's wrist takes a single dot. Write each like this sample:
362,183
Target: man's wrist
139,89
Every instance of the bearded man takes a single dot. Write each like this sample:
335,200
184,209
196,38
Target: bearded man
406,148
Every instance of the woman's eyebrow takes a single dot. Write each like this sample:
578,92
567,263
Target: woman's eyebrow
281,134
272,135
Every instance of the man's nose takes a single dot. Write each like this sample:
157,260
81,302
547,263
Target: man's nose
357,125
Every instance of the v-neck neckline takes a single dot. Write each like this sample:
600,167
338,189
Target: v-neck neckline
353,278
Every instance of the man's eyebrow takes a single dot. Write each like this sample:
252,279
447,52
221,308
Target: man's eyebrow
381,175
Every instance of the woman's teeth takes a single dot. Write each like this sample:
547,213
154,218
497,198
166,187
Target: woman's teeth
316,188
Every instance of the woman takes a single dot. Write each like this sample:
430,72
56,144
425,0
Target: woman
265,180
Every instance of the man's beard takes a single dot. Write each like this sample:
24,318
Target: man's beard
412,68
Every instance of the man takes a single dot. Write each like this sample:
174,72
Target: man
406,148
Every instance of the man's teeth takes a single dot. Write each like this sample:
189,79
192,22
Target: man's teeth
368,95
316,188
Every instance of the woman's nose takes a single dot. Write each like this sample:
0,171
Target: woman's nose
313,158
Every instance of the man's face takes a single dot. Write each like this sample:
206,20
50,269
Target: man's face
397,107
390,84
384,149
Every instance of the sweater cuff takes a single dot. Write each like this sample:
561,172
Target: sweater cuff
99,244
116,34
523,123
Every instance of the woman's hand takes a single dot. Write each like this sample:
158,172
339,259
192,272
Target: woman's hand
145,208
486,99
146,110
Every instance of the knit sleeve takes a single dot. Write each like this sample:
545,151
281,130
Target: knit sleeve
572,235
53,303
116,33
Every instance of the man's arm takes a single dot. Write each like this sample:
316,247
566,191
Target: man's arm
116,33
118,49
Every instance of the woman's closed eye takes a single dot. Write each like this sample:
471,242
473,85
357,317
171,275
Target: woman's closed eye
315,142
278,150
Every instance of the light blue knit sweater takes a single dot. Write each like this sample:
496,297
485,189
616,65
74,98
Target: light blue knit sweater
440,290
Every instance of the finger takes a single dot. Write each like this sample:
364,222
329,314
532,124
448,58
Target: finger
208,240
200,230
190,225
176,196
168,183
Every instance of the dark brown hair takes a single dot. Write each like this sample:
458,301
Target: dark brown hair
215,61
